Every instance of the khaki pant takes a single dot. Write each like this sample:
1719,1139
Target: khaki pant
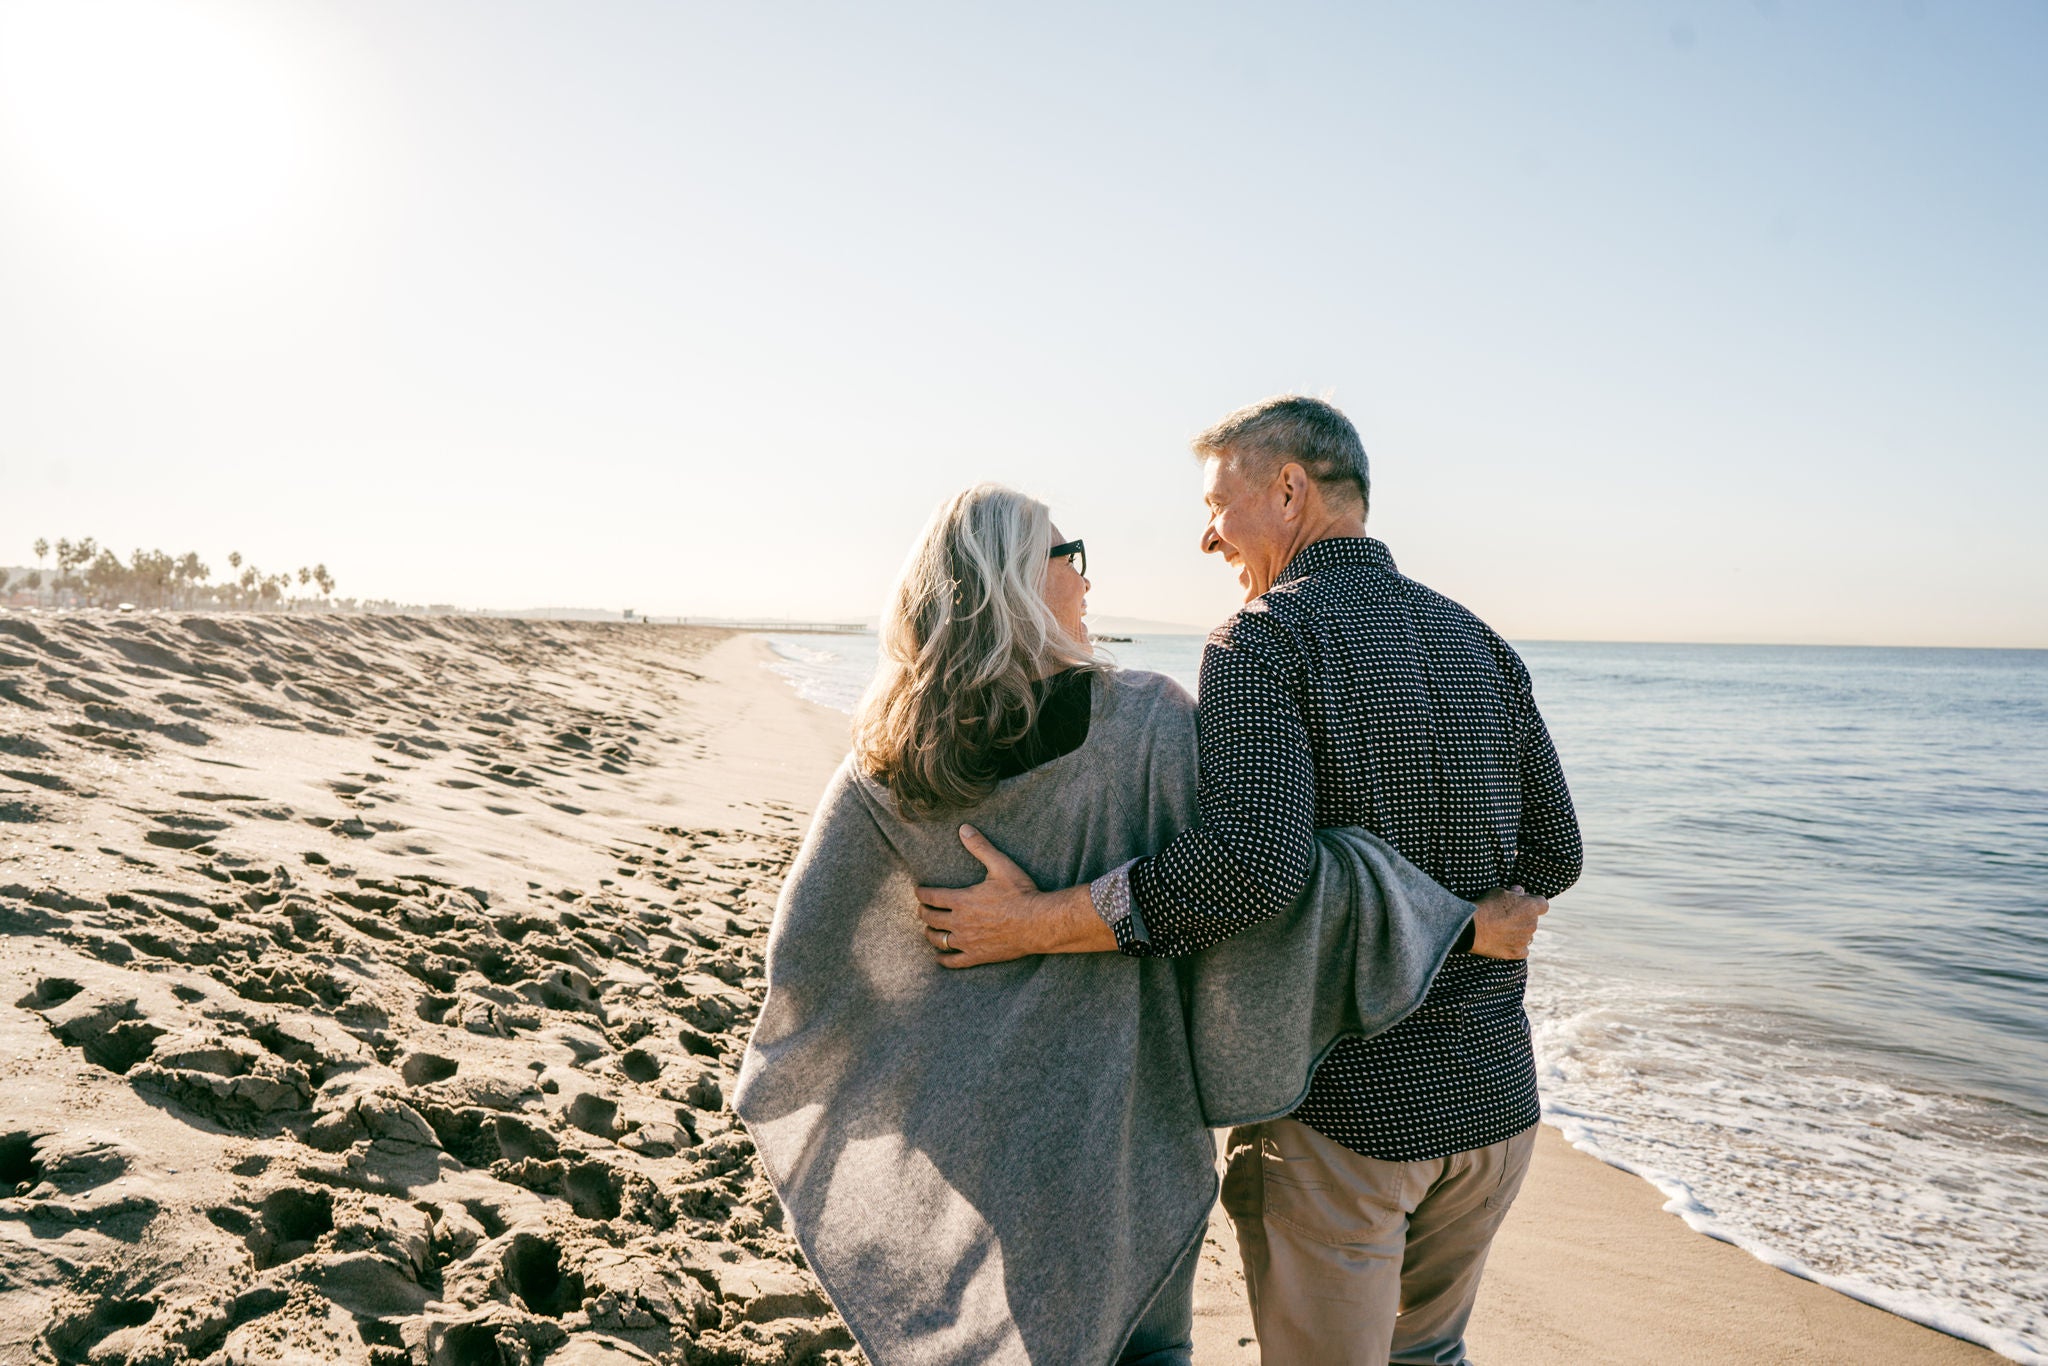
1352,1261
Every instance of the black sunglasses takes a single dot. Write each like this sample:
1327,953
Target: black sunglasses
1075,554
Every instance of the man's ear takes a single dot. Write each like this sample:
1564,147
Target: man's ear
1294,487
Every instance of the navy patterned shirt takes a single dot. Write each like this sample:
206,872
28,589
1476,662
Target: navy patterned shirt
1351,695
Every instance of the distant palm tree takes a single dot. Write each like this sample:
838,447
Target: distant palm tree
191,573
149,577
75,556
324,579
104,577
42,549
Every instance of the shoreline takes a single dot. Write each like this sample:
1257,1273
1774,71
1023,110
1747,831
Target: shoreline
1591,1265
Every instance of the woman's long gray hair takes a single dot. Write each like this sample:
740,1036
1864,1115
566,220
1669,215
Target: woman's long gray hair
966,635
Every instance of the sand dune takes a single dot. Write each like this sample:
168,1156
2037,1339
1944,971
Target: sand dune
369,993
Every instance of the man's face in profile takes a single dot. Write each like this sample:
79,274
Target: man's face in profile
1245,525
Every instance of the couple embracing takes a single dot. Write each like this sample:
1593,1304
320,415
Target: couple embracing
1054,923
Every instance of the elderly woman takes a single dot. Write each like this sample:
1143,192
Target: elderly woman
1012,1163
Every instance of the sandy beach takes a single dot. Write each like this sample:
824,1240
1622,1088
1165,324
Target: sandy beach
370,988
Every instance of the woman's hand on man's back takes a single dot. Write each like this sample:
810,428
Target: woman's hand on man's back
1506,922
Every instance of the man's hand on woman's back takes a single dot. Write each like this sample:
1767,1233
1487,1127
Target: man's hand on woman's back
1005,916
1506,922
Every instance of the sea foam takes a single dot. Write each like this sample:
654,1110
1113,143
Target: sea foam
831,677
1931,1206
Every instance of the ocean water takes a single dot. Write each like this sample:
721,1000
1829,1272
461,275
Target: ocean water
1802,988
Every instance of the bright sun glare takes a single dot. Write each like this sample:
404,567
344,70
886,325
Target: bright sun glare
170,125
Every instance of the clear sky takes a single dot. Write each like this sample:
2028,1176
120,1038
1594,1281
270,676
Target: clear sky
1716,321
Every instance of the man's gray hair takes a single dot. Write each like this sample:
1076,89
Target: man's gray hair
1293,428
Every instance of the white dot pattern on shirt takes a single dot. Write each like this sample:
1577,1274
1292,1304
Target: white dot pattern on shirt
1351,695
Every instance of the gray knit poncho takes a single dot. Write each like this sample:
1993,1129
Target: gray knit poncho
1003,1164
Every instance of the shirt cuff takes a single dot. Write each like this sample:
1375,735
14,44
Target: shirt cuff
1466,937
1111,894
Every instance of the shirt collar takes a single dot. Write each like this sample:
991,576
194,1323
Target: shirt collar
1338,550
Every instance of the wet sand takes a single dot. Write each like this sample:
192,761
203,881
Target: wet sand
1589,1268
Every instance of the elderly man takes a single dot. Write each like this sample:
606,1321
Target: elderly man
1342,694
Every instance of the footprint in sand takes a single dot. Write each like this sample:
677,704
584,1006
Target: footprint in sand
86,1336
285,1226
